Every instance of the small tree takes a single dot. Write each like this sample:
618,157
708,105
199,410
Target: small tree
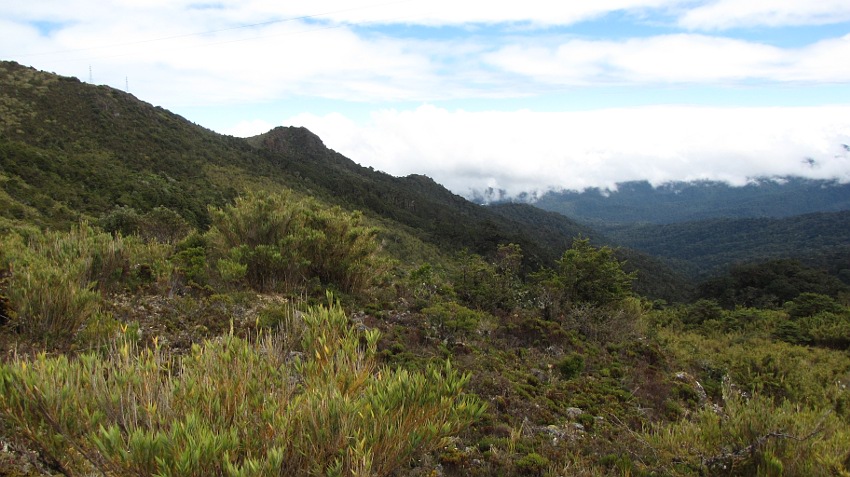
584,275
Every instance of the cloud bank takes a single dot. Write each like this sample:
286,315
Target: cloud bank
525,151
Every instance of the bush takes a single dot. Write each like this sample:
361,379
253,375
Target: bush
752,436
701,311
53,279
810,304
532,464
585,275
453,318
283,242
828,329
235,407
571,365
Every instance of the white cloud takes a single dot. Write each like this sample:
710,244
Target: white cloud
523,151
680,58
176,53
722,14
204,16
179,53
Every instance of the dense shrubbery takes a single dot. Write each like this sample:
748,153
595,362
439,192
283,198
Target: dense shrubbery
160,223
55,280
282,241
235,407
751,435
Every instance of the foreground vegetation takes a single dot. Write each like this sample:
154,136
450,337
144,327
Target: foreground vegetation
218,352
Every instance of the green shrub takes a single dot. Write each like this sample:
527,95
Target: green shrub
532,464
584,275
283,242
121,220
231,271
751,436
827,329
453,318
235,407
571,365
702,311
810,304
54,279
192,263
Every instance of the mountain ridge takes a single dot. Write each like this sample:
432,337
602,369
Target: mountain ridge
639,201
71,151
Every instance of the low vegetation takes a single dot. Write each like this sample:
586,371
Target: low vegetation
308,400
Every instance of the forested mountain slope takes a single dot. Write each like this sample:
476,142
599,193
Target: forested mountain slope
640,202
72,150
708,246
69,150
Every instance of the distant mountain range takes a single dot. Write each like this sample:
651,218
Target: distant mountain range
701,228
640,202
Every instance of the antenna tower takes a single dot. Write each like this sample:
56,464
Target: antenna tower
90,76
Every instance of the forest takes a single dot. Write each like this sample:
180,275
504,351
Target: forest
176,302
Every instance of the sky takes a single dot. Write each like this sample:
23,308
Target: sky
519,96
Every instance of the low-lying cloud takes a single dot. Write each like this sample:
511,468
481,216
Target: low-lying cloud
527,152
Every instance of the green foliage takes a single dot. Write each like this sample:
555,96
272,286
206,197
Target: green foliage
769,284
776,369
50,297
235,407
571,365
55,279
451,317
532,464
283,241
494,286
584,275
810,304
701,311
827,329
163,225
752,436
191,259
121,220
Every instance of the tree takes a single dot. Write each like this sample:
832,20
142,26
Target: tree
584,275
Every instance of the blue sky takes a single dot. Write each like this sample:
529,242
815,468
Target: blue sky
522,96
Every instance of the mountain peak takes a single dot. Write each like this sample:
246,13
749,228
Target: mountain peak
286,139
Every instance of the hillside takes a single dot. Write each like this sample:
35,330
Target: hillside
710,246
69,150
